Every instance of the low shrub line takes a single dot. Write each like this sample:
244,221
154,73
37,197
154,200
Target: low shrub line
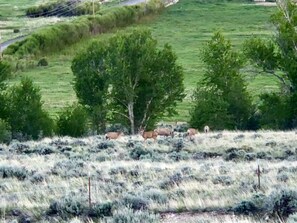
57,37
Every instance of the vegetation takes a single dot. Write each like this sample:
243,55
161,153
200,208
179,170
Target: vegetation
277,57
63,8
55,172
73,121
25,113
221,99
130,77
53,39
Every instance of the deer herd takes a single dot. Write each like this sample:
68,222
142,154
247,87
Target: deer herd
191,132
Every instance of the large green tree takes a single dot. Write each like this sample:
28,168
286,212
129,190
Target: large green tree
25,113
277,56
140,82
221,99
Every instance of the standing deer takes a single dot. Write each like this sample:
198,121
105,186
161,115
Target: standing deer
191,132
164,132
148,134
113,135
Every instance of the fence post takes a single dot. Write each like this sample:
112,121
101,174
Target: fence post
90,201
258,172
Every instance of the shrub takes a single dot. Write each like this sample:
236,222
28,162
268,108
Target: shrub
135,202
224,180
20,173
73,121
26,115
156,195
101,210
42,62
245,207
70,205
127,215
139,151
16,30
5,132
282,202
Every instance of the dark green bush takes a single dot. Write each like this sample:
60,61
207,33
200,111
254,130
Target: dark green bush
101,210
26,115
282,202
139,151
20,173
135,202
68,206
73,121
5,132
245,207
42,62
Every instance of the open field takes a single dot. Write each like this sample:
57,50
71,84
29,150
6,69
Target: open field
47,180
186,26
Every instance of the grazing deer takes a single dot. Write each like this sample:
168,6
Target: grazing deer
113,135
164,132
148,134
191,132
206,129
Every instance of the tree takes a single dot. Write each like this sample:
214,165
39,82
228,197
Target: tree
142,83
4,73
91,82
25,113
221,99
278,56
73,121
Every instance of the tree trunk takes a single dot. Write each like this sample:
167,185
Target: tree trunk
131,117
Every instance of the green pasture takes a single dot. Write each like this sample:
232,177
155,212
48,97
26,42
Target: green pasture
186,26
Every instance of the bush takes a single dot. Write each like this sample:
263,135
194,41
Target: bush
68,206
73,121
292,218
26,115
101,210
5,132
139,151
245,207
135,202
42,62
127,215
20,173
156,195
282,202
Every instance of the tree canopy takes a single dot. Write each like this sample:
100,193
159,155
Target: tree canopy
221,99
131,78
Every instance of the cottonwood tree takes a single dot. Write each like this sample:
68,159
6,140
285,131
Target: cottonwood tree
141,82
221,99
277,56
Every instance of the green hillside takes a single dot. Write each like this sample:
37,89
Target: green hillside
186,26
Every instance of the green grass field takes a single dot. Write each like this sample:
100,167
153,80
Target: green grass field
186,26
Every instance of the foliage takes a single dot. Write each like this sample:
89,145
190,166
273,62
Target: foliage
278,57
20,173
25,113
141,82
63,8
128,215
5,70
54,38
73,121
42,62
101,210
282,202
221,99
5,131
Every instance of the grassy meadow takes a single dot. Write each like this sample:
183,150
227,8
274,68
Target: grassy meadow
204,178
186,26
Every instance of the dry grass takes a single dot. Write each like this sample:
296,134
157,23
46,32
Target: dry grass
111,171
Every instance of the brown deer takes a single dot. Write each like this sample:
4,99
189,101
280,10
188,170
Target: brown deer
113,135
148,134
164,132
191,132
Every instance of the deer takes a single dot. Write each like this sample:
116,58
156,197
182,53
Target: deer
164,132
206,129
191,132
148,134
113,135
